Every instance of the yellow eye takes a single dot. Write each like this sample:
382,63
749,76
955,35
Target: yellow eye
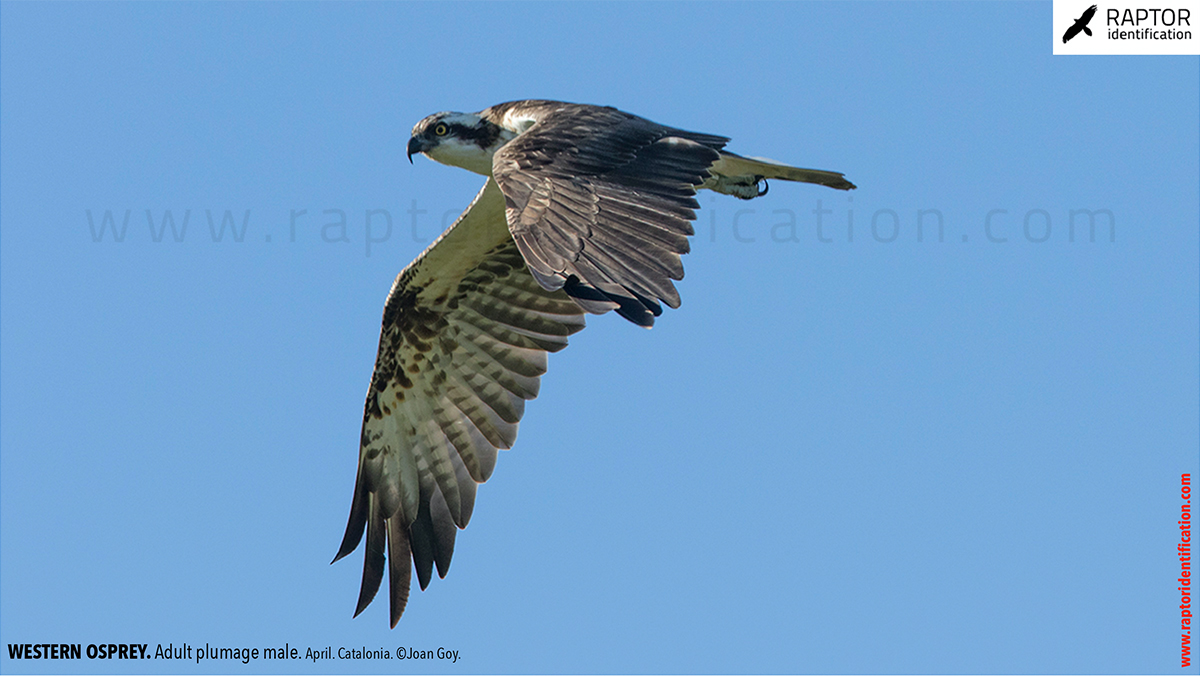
441,130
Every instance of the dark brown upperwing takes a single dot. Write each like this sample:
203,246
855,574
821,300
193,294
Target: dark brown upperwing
600,204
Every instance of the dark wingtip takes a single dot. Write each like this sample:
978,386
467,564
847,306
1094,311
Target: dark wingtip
356,524
399,569
421,542
635,312
373,560
365,596
354,533
640,311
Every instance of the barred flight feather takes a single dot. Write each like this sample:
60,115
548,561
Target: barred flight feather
586,208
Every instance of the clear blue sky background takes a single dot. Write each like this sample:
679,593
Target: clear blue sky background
923,455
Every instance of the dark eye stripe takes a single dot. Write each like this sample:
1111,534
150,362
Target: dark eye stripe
483,136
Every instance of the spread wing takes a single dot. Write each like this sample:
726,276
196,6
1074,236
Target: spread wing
466,330
600,204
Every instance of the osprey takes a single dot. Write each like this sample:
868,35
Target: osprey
585,209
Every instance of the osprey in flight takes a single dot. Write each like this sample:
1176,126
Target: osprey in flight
585,208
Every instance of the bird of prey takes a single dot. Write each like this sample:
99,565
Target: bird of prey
584,209
1080,24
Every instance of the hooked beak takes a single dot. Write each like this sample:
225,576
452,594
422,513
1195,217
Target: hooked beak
415,145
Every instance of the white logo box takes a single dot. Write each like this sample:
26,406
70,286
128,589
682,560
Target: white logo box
1129,27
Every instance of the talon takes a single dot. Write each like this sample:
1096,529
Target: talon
765,186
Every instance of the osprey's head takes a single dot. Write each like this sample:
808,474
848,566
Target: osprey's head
459,139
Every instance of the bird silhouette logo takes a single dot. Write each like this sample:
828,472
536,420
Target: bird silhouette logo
1080,24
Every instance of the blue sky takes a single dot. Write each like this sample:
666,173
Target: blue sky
886,452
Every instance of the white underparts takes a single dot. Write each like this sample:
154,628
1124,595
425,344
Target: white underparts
742,187
468,155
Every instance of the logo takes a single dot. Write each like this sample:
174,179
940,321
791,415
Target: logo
1125,27
1081,24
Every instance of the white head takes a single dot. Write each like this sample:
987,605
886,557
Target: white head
459,139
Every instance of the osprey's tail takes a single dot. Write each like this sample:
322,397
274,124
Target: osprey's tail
740,176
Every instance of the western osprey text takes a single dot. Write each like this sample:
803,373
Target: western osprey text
585,209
